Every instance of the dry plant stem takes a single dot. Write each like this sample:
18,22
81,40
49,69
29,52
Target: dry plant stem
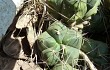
85,57
40,23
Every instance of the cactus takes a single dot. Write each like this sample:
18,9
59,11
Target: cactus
96,50
63,66
51,55
60,44
73,10
55,46
70,9
56,6
68,55
79,8
97,23
94,9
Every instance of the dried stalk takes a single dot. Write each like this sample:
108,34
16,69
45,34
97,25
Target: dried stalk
85,57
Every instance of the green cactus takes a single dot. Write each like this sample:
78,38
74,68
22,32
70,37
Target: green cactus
56,6
46,41
51,55
55,46
80,9
73,10
68,55
73,38
94,9
57,30
96,50
97,23
61,44
63,66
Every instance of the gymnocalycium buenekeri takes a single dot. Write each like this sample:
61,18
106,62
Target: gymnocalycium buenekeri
60,43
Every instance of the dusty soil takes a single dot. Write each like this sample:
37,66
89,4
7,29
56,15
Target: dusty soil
7,63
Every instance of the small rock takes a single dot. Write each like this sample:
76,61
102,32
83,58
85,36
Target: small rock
18,2
7,13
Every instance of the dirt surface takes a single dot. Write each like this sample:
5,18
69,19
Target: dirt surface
7,63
